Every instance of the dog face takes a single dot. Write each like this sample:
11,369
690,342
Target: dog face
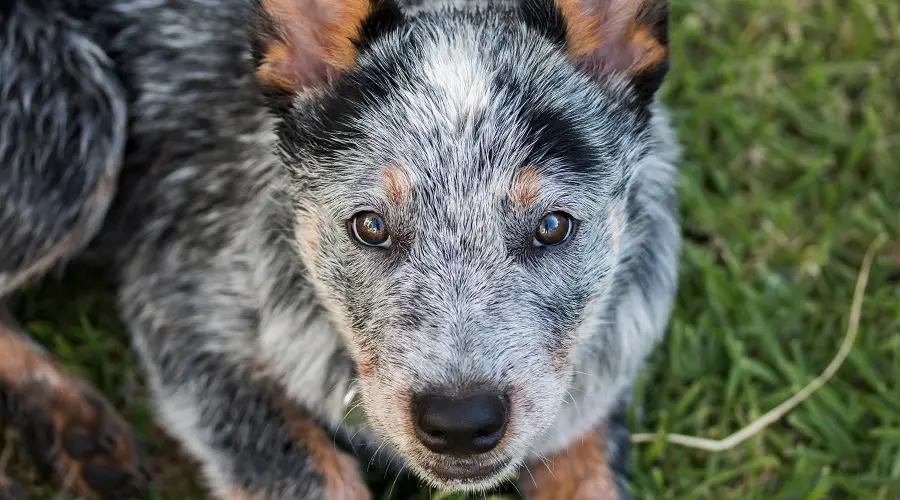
460,180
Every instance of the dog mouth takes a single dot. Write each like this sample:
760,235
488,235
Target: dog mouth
470,475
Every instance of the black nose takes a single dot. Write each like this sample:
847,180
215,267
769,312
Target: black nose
465,425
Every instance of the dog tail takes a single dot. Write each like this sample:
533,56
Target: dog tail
63,115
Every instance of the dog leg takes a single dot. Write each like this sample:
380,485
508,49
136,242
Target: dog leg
193,329
62,136
68,427
593,467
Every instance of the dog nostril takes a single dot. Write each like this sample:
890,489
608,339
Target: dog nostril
465,425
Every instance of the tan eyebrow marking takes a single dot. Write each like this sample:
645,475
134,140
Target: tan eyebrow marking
397,183
525,188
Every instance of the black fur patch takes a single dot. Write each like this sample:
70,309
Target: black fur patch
330,128
61,136
386,17
545,17
556,136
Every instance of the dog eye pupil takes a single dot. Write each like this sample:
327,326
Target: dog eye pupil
553,229
370,229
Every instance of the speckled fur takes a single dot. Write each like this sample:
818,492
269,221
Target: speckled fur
240,285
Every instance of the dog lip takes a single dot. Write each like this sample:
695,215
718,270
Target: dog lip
466,472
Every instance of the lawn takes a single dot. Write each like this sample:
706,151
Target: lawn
788,112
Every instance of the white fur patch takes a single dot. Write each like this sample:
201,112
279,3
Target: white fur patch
301,358
453,69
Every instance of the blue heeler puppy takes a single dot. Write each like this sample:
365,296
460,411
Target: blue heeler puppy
463,210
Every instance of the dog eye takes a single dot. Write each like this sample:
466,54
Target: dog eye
370,229
553,229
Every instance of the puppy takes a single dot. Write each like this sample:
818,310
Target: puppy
463,210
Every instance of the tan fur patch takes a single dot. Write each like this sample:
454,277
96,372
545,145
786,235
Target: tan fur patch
344,30
582,26
365,368
607,35
649,52
273,70
581,472
43,390
19,361
339,471
397,183
316,37
403,399
367,358
525,188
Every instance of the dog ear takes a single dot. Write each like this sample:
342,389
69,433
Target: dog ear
616,36
300,44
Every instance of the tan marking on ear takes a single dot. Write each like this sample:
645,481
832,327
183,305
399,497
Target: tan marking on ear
525,188
582,27
580,472
274,69
344,30
606,34
397,183
648,51
315,38
339,471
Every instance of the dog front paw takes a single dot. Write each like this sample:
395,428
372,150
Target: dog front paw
68,428
75,434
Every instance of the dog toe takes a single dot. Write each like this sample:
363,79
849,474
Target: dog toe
67,426
73,433
96,447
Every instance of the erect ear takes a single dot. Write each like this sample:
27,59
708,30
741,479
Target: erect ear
299,44
616,36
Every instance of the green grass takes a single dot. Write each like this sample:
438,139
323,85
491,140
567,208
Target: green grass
788,112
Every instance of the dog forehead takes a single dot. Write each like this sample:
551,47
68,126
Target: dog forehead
461,113
441,96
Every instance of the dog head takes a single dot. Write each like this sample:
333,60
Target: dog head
459,181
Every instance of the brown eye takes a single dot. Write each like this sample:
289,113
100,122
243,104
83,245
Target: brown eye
553,229
370,229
